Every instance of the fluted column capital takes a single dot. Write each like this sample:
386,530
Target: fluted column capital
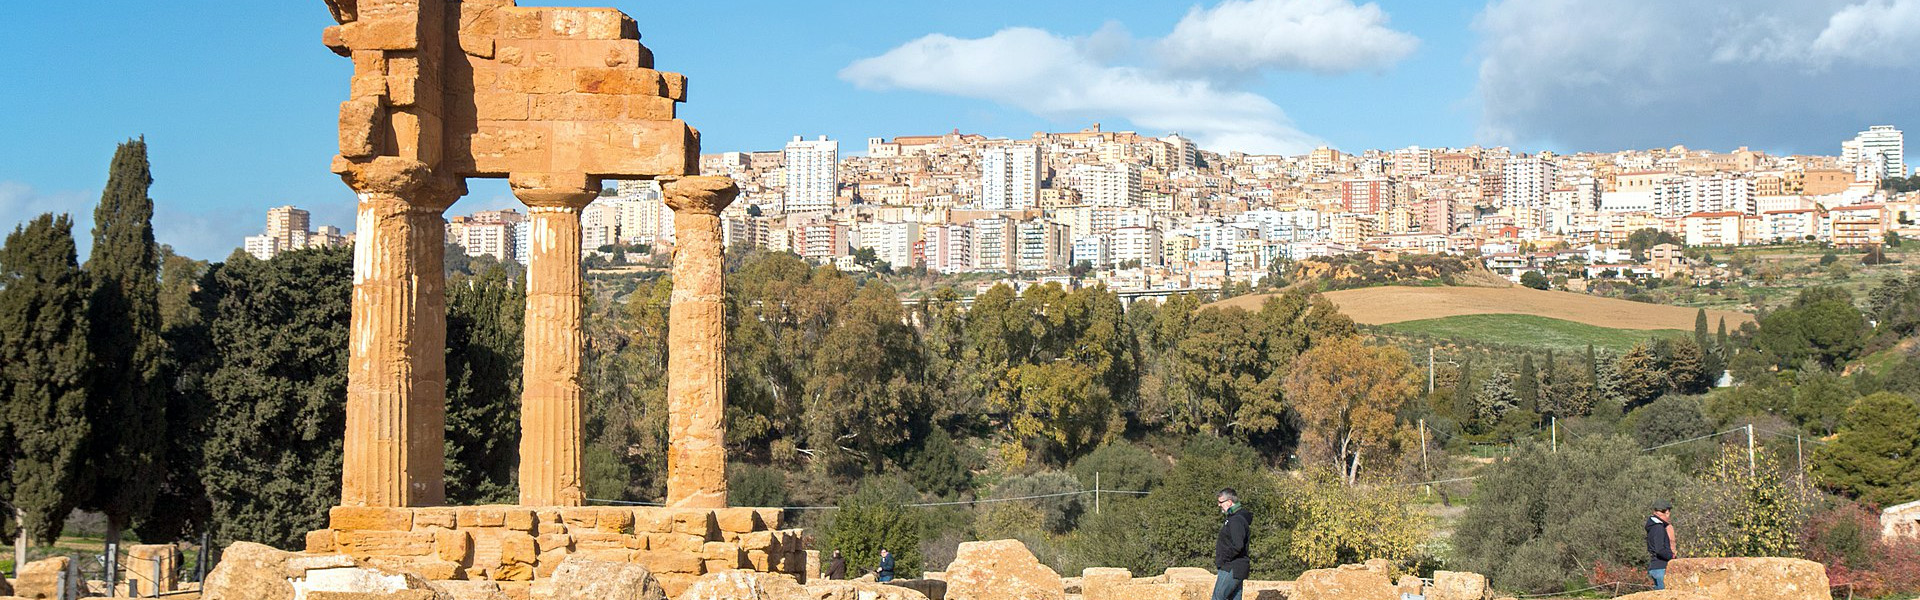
705,194
398,177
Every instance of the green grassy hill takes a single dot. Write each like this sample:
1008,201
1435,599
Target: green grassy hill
1526,330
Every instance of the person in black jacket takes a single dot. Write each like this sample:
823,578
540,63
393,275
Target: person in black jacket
1660,542
1230,549
837,568
885,574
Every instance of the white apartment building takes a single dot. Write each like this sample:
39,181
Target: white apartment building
1095,250
892,242
1108,184
810,174
599,222
1136,243
498,238
1682,196
263,247
1042,246
1526,181
288,226
949,248
1010,177
1877,153
993,245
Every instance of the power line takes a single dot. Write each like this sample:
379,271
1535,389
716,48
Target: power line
914,505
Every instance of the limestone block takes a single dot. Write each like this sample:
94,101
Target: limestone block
813,569
767,518
369,518
614,520
1183,573
384,543
504,147
320,540
519,519
427,568
298,565
358,120
535,80
582,517
674,584
602,541
652,520
396,595
1664,595
735,520
677,542
551,516
998,570
1408,585
619,81
362,582
441,517
517,548
1267,590
381,34
726,552
43,579
1750,578
757,540
868,590
583,578
482,516
621,555
1142,590
453,545
760,560
695,522
1098,583
676,86
744,585
1349,582
549,561
1457,585
514,572
932,589
554,542
667,561
469,590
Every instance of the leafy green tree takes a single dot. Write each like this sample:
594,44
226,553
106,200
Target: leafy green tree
1526,384
939,466
1669,419
1172,525
1347,524
1058,513
1876,457
865,376
183,330
126,450
626,398
276,394
1541,519
1642,376
1686,366
1739,508
1494,400
1120,466
1535,280
44,376
1819,401
874,518
754,485
484,320
1820,325
1346,396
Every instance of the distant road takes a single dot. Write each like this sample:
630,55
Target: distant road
1394,304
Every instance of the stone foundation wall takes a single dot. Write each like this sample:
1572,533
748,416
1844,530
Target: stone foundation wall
518,543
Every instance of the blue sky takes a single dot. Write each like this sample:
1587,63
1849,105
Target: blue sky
237,99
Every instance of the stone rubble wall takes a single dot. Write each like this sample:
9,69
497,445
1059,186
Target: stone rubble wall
522,544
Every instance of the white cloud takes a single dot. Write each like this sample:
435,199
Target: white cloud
1793,75
1052,76
20,203
1325,36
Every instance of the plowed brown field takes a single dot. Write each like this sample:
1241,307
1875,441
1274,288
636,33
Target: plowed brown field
1393,304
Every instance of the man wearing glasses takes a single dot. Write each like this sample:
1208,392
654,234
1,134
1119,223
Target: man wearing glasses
1230,550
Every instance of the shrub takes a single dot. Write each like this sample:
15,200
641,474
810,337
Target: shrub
754,485
874,518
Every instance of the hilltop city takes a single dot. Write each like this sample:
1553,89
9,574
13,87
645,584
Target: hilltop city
1146,213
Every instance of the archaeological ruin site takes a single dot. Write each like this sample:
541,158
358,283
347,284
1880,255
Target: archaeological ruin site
556,101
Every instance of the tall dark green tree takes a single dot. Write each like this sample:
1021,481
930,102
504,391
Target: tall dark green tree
1526,384
44,368
128,404
483,384
276,392
1876,457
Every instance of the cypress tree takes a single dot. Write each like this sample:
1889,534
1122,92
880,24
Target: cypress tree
483,384
1526,385
127,404
44,369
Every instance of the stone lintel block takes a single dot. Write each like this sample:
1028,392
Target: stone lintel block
636,149
534,80
734,520
519,519
648,519
551,542
608,80
677,542
502,147
441,517
517,548
676,86
384,543
696,521
453,545
571,54
320,540
382,34
769,518
615,520
578,107
598,540
369,518
669,561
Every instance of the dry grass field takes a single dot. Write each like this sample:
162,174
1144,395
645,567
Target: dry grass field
1394,304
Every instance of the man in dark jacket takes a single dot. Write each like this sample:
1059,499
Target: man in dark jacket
885,574
837,568
1230,549
1660,542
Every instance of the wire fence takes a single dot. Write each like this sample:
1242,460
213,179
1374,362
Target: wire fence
1095,492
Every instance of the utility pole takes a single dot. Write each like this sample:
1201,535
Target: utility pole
1429,370
1424,467
1554,426
1096,492
1799,461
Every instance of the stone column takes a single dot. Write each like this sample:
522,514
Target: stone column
696,346
550,404
396,379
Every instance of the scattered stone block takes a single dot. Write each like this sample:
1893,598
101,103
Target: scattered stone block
1349,582
1457,585
453,545
583,578
744,585
320,540
1001,570
46,577
1750,578
1098,583
247,571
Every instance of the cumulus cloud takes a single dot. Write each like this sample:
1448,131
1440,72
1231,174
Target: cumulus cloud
20,203
1788,75
1324,36
1093,77
1056,77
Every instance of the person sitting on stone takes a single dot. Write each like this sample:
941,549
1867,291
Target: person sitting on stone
885,573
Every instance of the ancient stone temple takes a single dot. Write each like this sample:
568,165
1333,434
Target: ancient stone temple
554,100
